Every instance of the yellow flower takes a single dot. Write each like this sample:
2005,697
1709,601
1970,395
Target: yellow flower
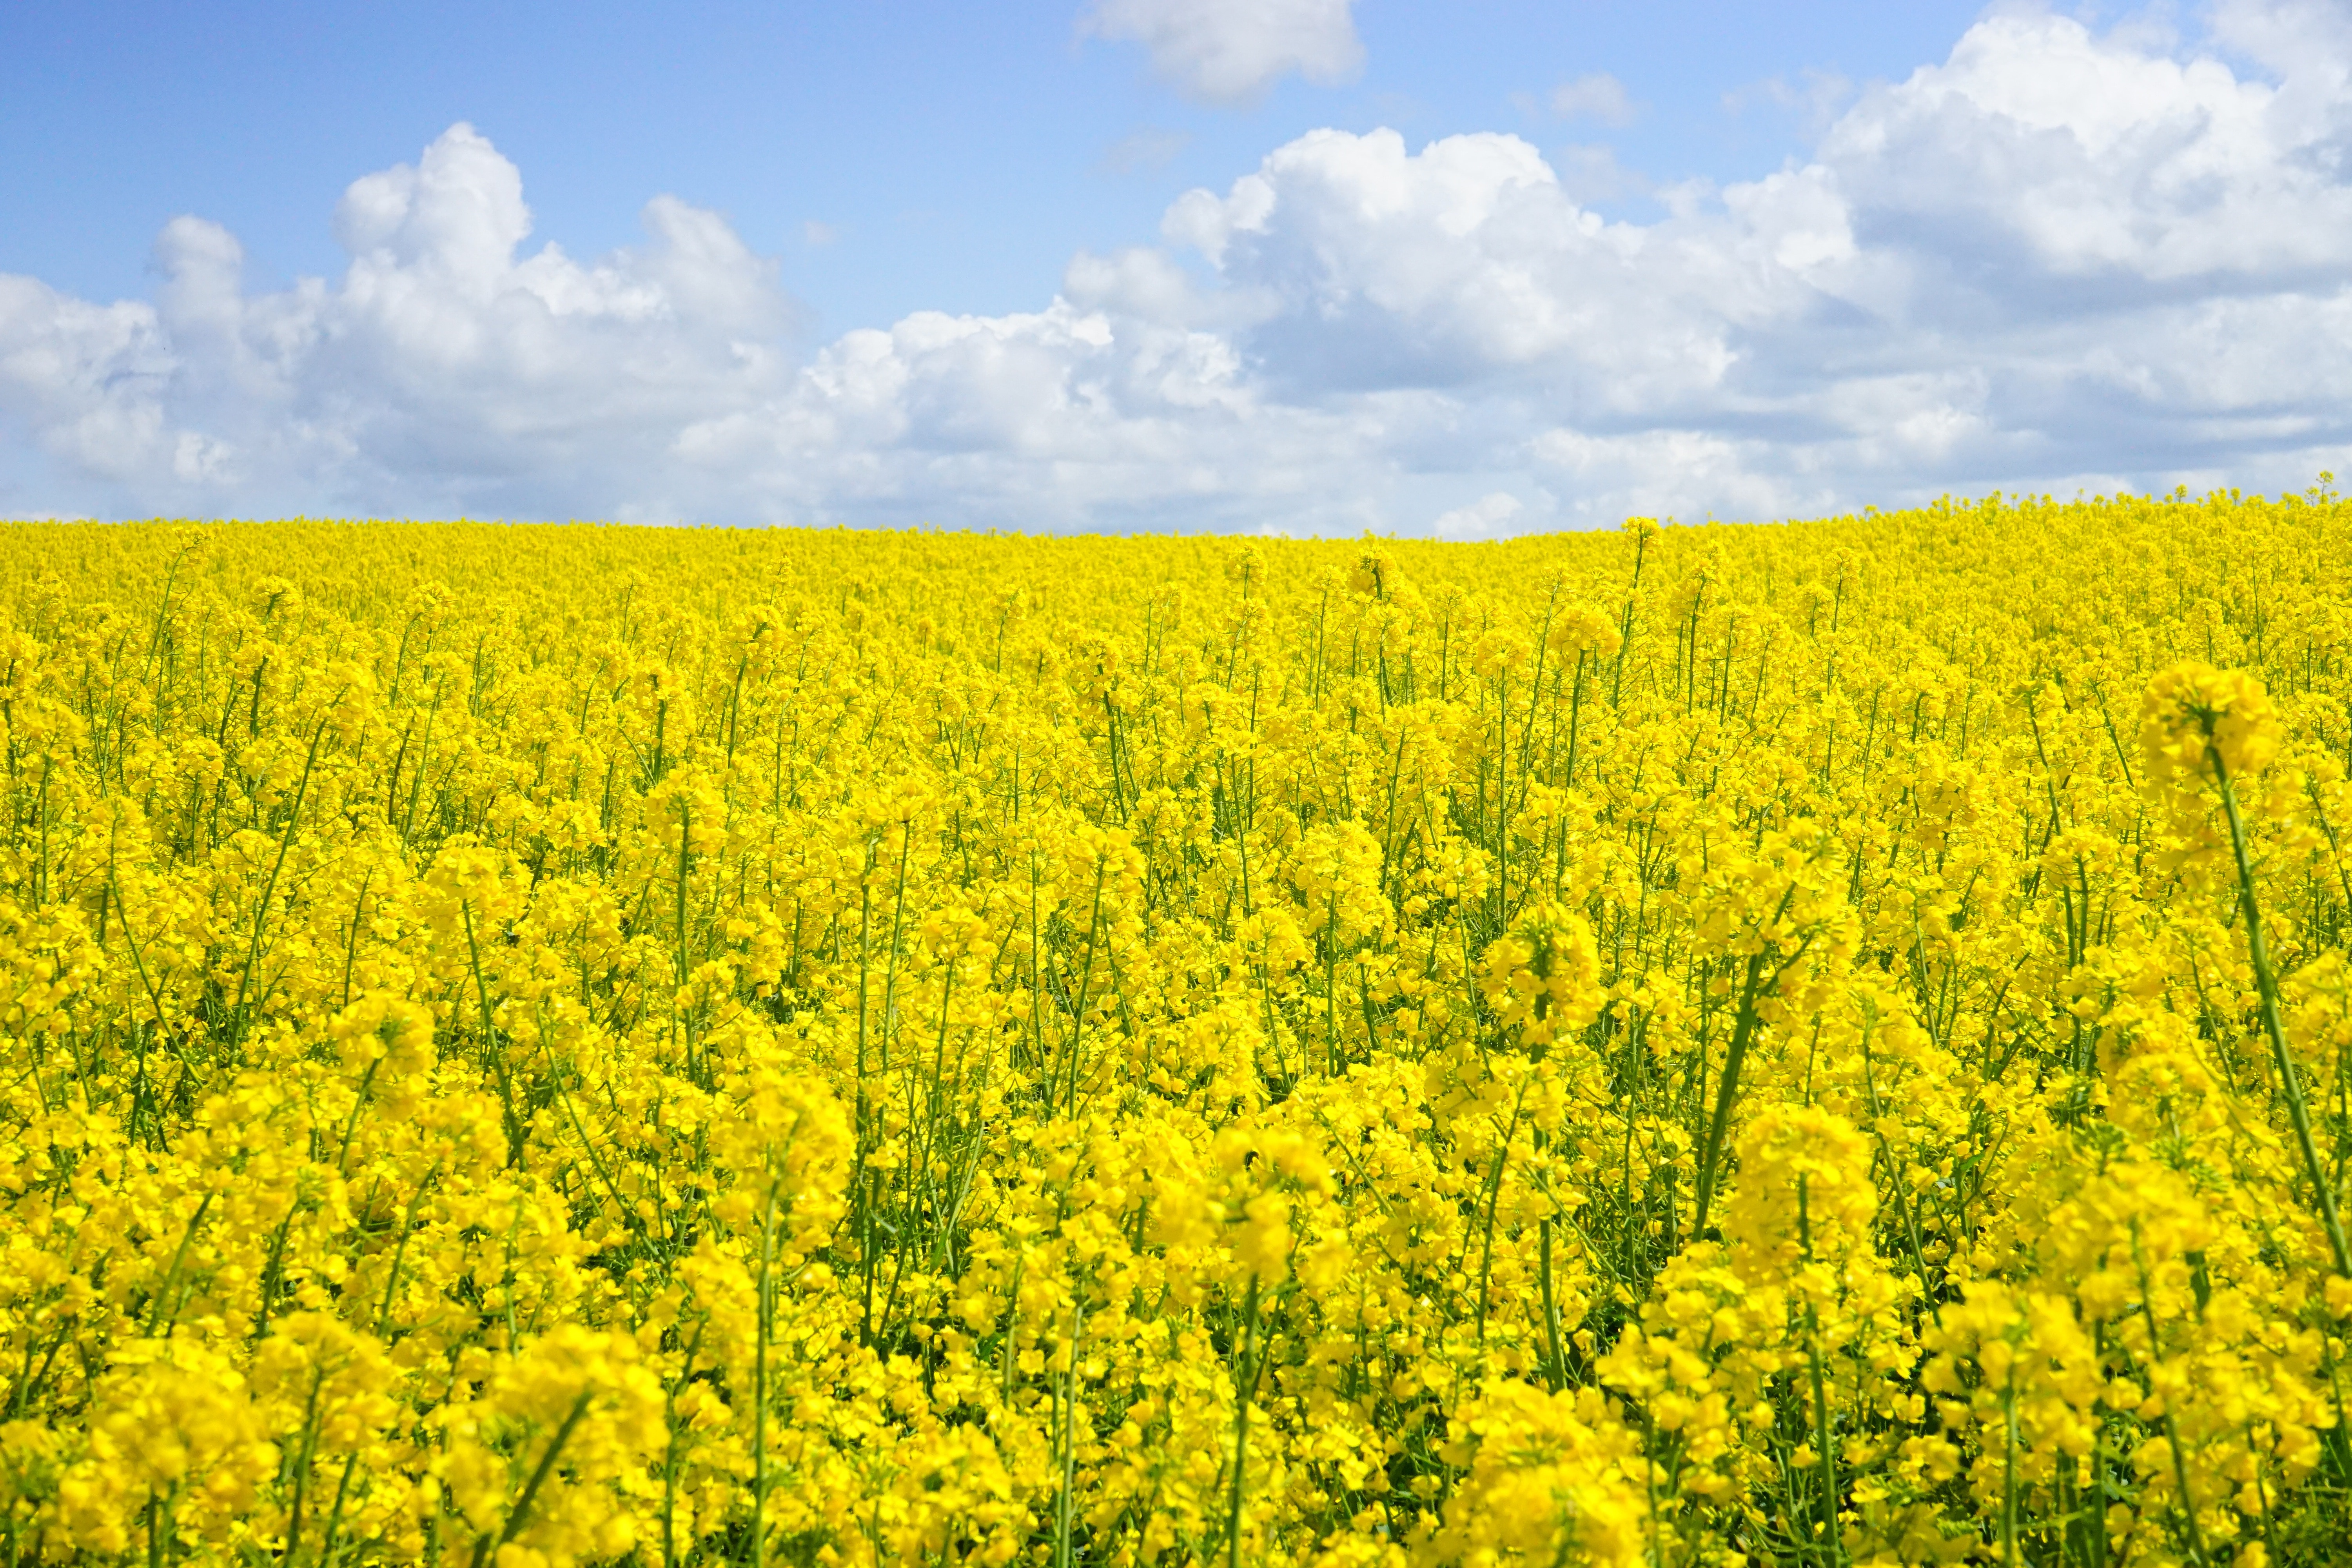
544,1047
2193,715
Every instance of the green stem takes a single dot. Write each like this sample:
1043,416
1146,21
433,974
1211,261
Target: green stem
760,1386
1494,1202
277,869
1726,1090
1244,1387
670,1455
491,1042
302,1466
521,1514
1555,1372
2171,1426
2266,984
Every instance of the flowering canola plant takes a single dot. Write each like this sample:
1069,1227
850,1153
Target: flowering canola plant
1824,1044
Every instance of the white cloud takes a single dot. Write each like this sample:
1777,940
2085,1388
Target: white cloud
1231,51
1590,172
1598,96
2057,258
444,369
1465,262
83,376
1671,473
817,233
2040,147
1482,519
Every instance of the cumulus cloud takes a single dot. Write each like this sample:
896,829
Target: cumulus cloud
1231,51
2038,151
446,369
2057,258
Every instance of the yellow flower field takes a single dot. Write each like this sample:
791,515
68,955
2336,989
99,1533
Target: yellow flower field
1817,1044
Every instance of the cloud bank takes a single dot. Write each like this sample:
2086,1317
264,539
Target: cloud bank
2059,258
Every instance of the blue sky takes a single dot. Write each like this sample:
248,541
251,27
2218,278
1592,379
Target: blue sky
960,153
1042,265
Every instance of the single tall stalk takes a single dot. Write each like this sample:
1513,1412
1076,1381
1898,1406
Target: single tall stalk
1726,1090
1555,1372
762,1326
1244,1387
277,869
2266,984
516,1521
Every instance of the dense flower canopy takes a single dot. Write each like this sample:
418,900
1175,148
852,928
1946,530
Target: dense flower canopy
1824,1042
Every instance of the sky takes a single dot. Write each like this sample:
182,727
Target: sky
1285,266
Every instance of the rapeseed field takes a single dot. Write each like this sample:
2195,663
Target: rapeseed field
1824,1044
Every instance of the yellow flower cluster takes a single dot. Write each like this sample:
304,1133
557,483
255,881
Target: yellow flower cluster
1685,1046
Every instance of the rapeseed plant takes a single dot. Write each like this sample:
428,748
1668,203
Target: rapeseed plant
549,1046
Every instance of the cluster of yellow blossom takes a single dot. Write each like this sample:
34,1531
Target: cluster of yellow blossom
532,1046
